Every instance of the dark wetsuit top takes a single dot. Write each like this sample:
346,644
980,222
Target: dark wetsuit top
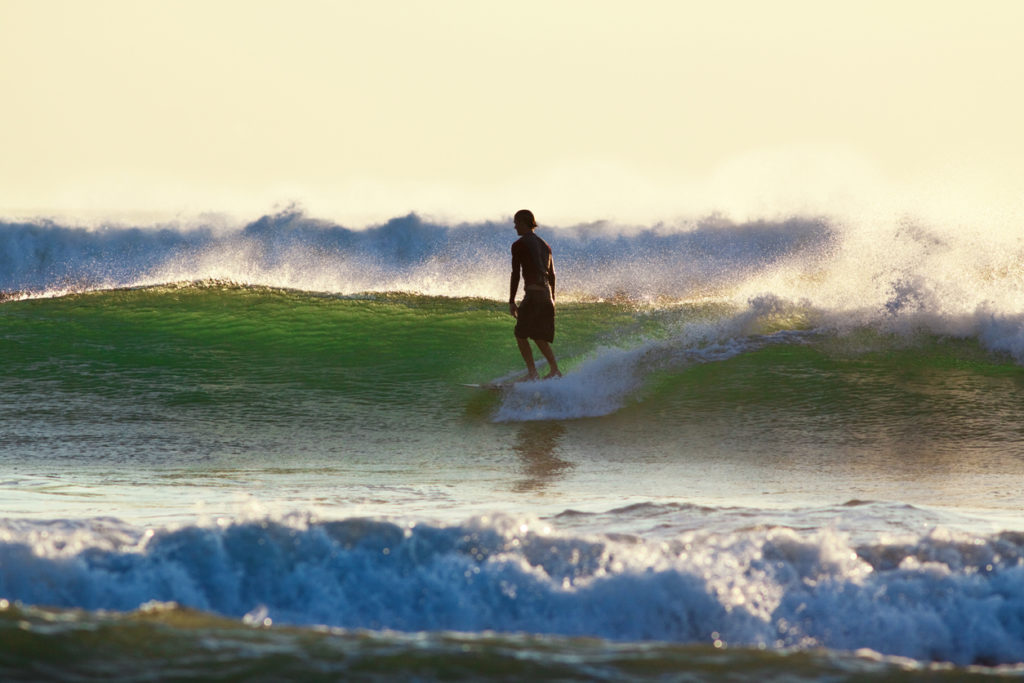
536,319
532,255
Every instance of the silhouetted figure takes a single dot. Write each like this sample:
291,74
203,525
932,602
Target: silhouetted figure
535,315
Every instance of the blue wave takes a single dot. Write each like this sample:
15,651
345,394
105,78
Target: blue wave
41,256
941,597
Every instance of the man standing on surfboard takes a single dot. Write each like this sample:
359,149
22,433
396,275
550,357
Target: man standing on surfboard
535,315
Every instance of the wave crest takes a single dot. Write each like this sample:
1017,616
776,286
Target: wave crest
768,587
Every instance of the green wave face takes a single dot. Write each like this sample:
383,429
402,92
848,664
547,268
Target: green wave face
237,336
227,373
237,367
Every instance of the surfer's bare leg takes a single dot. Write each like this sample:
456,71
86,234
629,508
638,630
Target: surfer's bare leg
549,354
524,348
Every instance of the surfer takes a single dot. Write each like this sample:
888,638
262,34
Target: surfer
535,315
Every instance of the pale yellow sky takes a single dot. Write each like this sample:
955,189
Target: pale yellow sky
381,107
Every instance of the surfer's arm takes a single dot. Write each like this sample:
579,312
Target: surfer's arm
551,279
513,287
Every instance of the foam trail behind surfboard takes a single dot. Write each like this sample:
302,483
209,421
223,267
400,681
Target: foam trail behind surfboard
604,383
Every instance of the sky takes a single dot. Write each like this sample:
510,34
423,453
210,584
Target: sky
470,109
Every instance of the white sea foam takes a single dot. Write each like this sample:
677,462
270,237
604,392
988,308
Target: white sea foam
611,377
944,596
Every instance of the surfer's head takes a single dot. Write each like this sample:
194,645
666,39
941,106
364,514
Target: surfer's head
524,221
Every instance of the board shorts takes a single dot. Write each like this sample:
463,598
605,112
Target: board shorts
536,319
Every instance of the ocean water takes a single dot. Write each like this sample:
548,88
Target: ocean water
787,449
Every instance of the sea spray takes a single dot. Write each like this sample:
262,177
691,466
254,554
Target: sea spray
405,254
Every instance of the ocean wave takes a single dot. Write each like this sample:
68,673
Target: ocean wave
408,253
900,277
942,596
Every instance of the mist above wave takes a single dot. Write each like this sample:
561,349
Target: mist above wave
292,250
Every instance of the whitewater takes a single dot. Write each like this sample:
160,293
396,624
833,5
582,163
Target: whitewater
784,447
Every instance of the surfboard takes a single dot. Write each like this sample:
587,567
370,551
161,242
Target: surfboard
501,386
489,386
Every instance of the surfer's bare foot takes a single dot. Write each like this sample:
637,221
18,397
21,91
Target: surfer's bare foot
529,378
553,374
